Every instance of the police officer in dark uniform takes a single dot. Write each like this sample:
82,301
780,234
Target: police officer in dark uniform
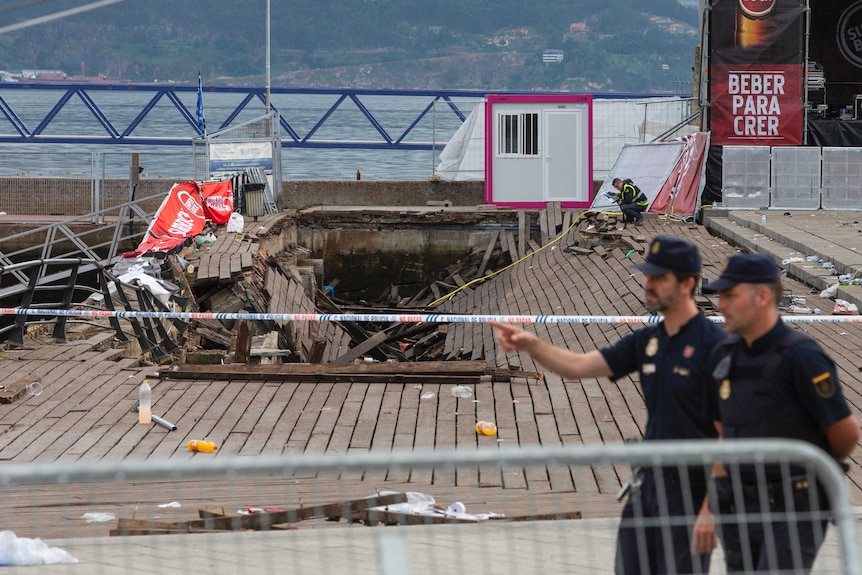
772,381
672,360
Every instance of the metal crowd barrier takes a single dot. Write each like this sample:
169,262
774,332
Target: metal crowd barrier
308,513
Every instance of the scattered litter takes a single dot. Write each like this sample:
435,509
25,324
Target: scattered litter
843,307
427,395
98,517
831,291
256,510
486,428
171,505
16,550
424,504
236,223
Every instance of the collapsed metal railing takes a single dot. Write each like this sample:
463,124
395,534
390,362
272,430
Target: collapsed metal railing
101,237
46,292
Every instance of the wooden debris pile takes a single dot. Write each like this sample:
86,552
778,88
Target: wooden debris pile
370,511
602,233
233,275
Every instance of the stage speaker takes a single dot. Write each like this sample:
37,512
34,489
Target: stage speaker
857,106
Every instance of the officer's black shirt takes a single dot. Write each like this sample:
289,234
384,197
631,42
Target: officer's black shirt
674,375
770,390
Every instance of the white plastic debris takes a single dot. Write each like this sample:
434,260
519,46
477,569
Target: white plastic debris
16,550
171,505
831,291
98,517
236,223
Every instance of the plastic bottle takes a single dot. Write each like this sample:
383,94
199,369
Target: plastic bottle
486,428
145,413
202,446
762,218
462,391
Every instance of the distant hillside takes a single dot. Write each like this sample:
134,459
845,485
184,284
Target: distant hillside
595,45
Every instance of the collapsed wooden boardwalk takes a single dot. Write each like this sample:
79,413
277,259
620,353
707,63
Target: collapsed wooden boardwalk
84,415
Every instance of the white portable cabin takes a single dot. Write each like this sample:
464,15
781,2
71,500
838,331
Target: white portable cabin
538,150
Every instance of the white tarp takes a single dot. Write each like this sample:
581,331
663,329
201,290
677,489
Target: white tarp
463,158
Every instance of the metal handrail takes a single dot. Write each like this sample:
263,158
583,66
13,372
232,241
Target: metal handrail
127,222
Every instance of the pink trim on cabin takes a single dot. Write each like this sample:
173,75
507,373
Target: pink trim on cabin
490,100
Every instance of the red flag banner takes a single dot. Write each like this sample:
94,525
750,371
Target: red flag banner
180,216
756,72
218,201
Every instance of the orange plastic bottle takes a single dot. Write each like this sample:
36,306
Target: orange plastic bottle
202,446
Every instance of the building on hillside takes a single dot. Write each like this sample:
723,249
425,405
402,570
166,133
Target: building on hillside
553,56
578,28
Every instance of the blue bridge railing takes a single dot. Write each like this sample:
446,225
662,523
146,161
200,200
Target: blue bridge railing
158,115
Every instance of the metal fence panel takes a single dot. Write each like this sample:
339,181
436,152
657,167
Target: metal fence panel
795,178
207,512
842,178
745,176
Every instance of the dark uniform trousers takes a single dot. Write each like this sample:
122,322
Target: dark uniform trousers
769,545
651,540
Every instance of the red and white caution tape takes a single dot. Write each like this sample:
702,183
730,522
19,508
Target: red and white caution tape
393,317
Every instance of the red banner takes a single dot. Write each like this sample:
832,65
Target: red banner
180,216
756,72
218,201
760,105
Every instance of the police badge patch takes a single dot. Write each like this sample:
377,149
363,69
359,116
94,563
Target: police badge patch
724,390
652,347
823,385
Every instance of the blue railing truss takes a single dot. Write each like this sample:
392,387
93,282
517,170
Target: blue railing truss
49,107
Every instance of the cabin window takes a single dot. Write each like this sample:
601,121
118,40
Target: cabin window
518,134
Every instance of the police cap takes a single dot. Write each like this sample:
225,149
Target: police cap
745,268
670,254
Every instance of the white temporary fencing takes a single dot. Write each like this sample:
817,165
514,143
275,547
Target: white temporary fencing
307,513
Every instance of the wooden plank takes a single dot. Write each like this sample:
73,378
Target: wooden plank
523,231
244,334
17,388
485,259
513,247
361,348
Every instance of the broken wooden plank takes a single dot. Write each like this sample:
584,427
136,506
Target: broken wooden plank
523,231
486,258
579,250
363,347
513,247
244,334
416,368
17,389
375,516
266,520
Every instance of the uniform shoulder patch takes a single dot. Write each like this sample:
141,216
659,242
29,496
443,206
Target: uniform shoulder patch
824,385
